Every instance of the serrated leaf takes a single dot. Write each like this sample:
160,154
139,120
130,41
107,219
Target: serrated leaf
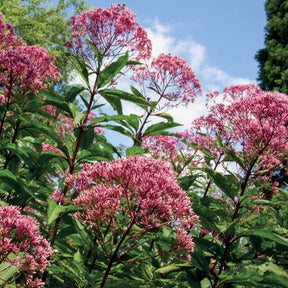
73,92
87,138
115,102
96,52
165,116
132,62
55,210
233,155
79,66
84,101
135,150
118,94
186,182
108,74
7,272
136,92
271,267
9,178
118,129
227,183
133,122
108,118
275,280
158,128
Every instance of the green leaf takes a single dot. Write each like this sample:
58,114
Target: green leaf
135,150
115,102
125,96
78,117
87,138
10,179
84,101
83,232
109,73
108,118
173,268
234,156
205,283
133,122
73,92
54,210
268,234
44,129
227,183
186,182
42,164
77,257
118,129
220,141
132,62
165,116
96,52
271,267
136,92
158,128
7,272
79,66
274,281
25,154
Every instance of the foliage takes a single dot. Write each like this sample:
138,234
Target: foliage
273,65
196,208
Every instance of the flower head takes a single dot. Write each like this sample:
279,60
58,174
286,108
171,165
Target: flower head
112,31
171,77
143,190
26,69
23,69
252,123
21,244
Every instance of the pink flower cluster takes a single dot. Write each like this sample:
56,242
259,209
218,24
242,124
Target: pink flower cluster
171,77
112,30
162,147
172,149
143,190
21,245
251,122
23,68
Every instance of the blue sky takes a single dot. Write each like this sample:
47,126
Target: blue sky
218,38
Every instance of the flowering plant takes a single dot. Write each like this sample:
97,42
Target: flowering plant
196,208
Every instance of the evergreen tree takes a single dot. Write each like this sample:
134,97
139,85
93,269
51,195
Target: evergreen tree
273,60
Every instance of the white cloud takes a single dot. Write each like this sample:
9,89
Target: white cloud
216,79
162,42
196,55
